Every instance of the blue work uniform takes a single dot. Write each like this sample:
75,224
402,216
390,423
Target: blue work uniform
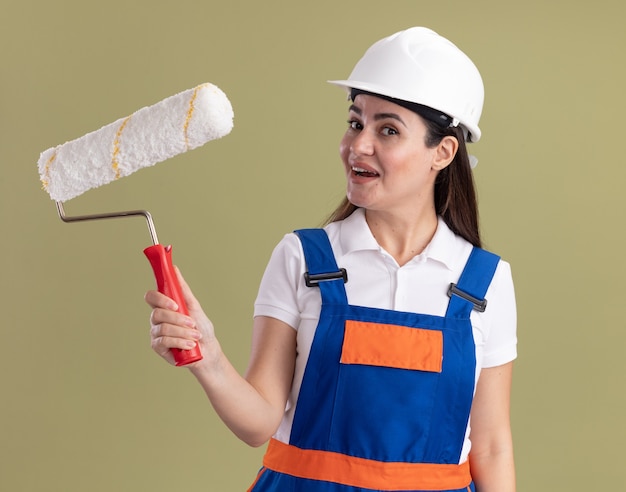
386,395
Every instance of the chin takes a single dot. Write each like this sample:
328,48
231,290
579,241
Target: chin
360,203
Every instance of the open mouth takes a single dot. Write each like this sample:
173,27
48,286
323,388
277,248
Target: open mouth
359,171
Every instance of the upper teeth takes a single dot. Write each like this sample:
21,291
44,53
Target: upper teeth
360,170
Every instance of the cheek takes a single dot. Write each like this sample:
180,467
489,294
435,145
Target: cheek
344,148
413,160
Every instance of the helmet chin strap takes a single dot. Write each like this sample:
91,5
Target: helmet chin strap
455,123
473,160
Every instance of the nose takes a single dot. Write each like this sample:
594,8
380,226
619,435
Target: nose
362,143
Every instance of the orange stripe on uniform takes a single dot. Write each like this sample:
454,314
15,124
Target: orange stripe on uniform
378,344
258,477
359,472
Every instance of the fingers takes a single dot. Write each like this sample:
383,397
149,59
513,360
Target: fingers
170,329
173,324
157,300
165,336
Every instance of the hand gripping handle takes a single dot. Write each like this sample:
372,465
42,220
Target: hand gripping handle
160,258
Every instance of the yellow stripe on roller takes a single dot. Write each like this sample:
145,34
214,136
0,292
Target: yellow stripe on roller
46,172
190,113
116,147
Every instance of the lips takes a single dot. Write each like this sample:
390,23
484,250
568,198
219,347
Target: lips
364,172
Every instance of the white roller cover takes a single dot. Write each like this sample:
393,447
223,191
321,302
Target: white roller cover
152,134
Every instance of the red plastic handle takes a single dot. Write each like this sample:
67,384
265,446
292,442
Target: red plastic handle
160,258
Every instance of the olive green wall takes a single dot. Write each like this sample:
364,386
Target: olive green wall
85,403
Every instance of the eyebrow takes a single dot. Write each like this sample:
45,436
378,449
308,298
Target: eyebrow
378,116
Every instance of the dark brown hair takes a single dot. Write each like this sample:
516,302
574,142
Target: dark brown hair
455,193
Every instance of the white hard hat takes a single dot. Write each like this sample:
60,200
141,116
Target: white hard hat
420,66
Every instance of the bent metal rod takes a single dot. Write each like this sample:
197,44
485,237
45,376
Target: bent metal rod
113,215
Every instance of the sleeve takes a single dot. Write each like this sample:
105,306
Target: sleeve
501,319
278,291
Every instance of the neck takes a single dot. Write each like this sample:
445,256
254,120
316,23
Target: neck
403,236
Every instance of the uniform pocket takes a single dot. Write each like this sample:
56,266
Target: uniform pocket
402,347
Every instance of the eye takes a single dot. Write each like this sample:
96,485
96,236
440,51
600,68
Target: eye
355,125
388,131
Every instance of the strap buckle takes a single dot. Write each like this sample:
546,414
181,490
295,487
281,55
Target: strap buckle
479,304
313,280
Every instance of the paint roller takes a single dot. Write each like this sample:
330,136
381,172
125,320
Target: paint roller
152,134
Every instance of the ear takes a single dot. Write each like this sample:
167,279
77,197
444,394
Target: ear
445,152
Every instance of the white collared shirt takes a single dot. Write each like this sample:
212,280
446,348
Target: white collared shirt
376,280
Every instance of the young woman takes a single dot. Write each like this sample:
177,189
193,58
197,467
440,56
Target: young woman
383,343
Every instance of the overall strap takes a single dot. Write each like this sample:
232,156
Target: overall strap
469,292
322,270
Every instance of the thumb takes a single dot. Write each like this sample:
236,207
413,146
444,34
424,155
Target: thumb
190,299
195,310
